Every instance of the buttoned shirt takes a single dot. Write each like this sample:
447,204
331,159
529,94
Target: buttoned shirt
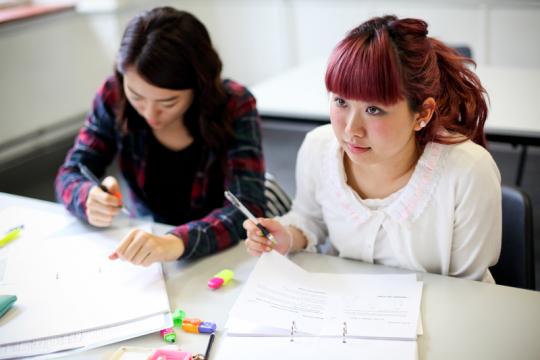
445,220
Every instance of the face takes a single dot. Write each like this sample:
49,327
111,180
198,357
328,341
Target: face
161,108
372,133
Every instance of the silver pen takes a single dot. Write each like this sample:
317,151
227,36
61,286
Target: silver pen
234,200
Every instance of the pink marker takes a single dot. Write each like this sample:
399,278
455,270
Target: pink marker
221,278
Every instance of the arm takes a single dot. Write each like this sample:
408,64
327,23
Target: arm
95,146
305,220
478,221
302,227
222,227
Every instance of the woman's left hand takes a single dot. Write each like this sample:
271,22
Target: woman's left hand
142,248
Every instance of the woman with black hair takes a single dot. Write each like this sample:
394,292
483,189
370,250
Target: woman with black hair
181,136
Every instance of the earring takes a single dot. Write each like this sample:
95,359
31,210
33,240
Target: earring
422,124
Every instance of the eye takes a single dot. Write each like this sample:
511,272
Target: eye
340,102
168,105
135,97
373,110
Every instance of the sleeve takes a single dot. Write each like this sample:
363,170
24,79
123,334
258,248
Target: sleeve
222,227
476,243
95,147
306,212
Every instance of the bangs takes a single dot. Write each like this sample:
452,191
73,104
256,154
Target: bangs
365,68
156,61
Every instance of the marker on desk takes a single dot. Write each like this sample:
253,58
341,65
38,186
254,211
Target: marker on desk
178,316
249,215
90,176
10,235
197,326
221,278
168,335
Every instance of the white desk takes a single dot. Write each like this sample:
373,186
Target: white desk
461,319
300,95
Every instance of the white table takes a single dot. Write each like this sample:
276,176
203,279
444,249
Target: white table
300,95
462,319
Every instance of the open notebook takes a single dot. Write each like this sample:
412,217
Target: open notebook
313,315
70,295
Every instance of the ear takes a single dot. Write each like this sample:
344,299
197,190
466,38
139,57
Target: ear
423,117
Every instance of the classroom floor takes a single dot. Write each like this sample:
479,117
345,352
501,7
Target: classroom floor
34,175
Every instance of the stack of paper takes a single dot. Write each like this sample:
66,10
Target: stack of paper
316,315
70,295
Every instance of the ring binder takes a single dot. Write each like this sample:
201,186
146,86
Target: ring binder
293,330
344,332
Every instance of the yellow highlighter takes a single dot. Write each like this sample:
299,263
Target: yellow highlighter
11,235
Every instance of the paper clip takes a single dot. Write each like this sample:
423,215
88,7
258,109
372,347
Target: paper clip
344,332
293,330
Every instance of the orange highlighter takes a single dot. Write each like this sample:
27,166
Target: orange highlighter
90,176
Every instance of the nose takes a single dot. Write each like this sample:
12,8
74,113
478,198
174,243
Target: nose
150,111
355,125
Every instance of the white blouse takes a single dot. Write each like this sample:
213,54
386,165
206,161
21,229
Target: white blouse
446,220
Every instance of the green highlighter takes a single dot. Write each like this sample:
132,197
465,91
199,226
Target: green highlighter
6,301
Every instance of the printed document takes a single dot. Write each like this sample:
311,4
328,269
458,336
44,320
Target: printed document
280,295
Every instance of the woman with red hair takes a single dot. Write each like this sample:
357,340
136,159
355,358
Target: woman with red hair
401,176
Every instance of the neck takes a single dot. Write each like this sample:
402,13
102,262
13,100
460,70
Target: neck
382,179
174,137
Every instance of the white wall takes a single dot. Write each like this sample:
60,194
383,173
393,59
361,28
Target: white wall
50,67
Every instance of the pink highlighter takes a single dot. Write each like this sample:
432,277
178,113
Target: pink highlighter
221,278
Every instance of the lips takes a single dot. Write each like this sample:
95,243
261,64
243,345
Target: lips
357,149
153,122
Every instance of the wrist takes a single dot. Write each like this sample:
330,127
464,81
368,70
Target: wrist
176,246
298,239
289,240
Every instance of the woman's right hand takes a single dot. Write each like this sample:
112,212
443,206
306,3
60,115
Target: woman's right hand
101,206
256,243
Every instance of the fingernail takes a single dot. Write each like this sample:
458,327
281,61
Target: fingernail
268,249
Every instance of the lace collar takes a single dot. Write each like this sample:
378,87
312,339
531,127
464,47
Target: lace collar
407,204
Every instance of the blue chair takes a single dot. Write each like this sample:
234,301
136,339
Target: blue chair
463,50
516,263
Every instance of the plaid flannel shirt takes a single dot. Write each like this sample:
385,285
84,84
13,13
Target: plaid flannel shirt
100,140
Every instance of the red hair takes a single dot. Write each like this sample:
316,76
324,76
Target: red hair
387,59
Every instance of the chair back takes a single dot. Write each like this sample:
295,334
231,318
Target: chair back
277,201
463,50
516,262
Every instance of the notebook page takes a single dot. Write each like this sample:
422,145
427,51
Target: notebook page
270,348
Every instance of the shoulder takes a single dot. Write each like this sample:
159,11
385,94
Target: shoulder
316,144
320,136
470,157
240,100
468,165
109,91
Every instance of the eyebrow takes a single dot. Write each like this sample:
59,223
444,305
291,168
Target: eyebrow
160,100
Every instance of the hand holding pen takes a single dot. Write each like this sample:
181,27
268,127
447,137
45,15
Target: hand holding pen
104,199
263,234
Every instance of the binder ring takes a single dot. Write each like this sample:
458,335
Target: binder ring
293,330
